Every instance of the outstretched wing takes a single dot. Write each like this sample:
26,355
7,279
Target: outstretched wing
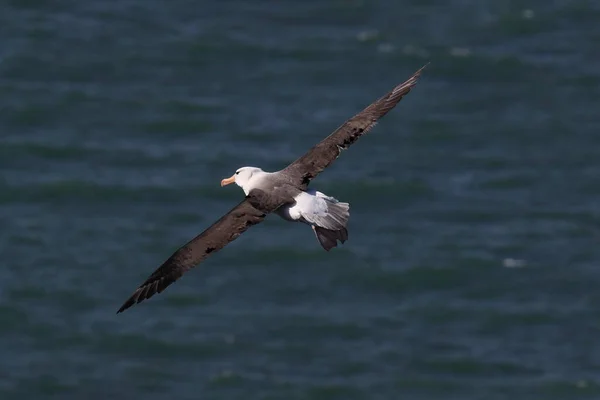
307,167
213,239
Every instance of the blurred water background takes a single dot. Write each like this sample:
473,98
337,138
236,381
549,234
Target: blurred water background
472,269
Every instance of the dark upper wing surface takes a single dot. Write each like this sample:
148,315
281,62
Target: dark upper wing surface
217,236
307,167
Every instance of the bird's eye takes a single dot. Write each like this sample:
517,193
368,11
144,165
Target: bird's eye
237,172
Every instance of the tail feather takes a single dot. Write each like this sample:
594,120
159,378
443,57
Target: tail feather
330,222
335,218
328,237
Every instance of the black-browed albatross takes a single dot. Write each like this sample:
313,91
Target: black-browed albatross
284,192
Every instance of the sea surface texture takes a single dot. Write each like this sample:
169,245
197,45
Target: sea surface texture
473,265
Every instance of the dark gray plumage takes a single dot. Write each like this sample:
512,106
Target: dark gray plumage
307,167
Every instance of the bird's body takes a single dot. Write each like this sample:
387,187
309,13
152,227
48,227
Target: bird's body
285,193
326,215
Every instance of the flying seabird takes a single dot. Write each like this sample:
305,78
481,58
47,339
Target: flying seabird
285,193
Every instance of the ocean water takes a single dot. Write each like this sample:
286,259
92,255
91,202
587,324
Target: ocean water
473,265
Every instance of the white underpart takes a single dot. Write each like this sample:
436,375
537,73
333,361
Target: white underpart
309,205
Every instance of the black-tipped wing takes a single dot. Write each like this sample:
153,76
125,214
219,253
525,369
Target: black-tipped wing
219,234
307,167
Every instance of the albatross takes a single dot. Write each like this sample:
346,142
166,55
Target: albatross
284,193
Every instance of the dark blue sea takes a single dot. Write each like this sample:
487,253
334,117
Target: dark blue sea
473,265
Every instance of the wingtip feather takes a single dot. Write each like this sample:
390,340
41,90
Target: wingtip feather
130,302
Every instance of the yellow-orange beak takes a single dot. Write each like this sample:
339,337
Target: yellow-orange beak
227,181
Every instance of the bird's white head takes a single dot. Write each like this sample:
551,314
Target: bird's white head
242,178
